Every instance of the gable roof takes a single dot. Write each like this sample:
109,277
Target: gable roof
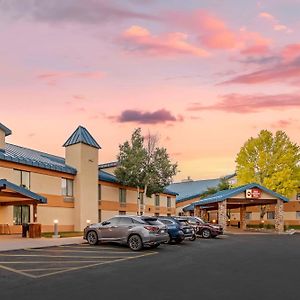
6,130
225,194
81,135
192,189
35,158
21,190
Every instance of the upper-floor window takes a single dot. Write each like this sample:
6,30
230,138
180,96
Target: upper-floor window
248,215
157,200
122,195
169,202
67,187
23,178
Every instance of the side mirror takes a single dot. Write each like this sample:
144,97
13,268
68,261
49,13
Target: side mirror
105,223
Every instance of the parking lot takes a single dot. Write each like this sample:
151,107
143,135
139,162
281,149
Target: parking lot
228,267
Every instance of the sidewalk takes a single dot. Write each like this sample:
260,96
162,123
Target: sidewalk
12,242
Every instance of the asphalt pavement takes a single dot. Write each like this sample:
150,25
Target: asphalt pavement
230,267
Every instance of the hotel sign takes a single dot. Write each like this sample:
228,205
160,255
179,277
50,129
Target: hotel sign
254,193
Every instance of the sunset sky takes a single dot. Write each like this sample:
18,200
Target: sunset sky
204,75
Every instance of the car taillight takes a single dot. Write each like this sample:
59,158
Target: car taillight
151,228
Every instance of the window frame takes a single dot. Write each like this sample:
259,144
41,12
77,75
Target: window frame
21,176
65,190
122,195
157,200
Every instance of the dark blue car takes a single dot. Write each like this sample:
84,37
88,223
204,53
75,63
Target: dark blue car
178,229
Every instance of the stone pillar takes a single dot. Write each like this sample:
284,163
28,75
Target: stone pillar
279,223
204,215
222,217
243,217
197,211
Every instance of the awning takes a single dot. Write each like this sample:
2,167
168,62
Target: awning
12,194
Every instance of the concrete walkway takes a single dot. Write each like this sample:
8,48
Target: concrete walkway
13,242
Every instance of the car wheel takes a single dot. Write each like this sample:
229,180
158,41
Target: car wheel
178,240
135,242
92,238
193,238
206,233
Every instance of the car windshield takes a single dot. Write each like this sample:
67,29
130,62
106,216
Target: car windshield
183,222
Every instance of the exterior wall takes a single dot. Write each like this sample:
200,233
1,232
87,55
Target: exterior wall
181,205
85,159
2,139
110,206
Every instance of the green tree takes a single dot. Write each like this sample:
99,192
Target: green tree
223,185
142,164
270,160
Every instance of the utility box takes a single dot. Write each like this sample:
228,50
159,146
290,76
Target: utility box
35,230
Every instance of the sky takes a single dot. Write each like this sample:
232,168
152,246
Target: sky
203,75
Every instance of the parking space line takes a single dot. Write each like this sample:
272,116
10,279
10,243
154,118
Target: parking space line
100,247
75,251
97,264
16,271
59,256
92,263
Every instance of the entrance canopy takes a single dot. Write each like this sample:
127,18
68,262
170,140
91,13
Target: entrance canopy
247,195
12,194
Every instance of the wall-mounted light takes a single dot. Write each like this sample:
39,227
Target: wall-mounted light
88,222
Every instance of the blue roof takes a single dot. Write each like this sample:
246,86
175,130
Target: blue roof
105,176
21,190
35,158
6,130
192,189
81,135
222,195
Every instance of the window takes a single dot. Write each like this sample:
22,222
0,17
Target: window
99,192
156,214
169,215
270,215
141,196
23,178
99,215
248,215
122,196
298,196
122,212
21,214
67,187
157,200
169,202
297,214
125,221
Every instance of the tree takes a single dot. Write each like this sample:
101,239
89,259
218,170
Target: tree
270,160
144,165
223,185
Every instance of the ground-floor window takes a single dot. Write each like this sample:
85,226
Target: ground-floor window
297,214
248,215
271,215
122,212
21,214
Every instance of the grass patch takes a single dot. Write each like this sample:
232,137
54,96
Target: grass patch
63,234
287,227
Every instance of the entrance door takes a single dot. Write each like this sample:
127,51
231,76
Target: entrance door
21,214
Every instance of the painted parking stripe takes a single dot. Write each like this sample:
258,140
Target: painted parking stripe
77,251
68,269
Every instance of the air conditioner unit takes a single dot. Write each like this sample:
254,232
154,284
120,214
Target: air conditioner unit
249,193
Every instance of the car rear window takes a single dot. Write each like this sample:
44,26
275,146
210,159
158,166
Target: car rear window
167,222
152,221
183,222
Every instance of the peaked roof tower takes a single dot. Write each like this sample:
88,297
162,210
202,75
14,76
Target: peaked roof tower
6,130
81,135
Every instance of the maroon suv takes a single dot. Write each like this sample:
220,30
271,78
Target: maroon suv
204,229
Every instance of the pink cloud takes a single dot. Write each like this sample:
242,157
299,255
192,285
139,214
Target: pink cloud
52,78
282,123
237,103
214,33
291,52
140,39
276,25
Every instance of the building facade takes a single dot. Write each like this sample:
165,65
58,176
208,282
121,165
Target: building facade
74,190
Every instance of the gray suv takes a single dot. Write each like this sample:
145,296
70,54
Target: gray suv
134,231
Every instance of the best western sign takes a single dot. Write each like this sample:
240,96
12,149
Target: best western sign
254,193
